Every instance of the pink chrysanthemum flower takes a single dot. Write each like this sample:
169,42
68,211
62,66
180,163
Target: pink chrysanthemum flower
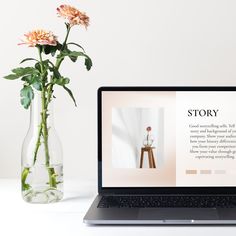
73,15
39,37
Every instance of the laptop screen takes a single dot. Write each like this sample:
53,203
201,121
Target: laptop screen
168,138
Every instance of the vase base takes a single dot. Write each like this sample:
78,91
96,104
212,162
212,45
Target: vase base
49,195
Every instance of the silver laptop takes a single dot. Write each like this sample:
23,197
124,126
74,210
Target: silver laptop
166,155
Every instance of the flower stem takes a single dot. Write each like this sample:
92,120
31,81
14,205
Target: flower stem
59,61
51,171
38,143
24,175
67,35
44,126
45,103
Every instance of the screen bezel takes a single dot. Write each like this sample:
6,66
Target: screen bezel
154,190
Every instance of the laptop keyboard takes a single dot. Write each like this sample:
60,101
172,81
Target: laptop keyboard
167,201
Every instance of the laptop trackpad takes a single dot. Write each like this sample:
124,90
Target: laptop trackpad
178,214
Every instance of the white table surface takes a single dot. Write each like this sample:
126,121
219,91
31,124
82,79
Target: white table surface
65,218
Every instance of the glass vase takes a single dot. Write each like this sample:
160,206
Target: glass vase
148,140
41,160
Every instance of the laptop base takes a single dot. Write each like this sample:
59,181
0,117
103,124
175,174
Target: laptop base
159,216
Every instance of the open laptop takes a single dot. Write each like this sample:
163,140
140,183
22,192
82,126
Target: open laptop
166,155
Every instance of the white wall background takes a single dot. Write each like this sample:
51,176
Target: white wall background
131,42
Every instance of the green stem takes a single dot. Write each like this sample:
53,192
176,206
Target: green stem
41,60
49,92
24,175
45,103
52,177
58,64
59,61
51,171
44,126
67,35
38,143
44,113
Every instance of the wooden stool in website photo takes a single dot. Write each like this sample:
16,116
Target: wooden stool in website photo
151,159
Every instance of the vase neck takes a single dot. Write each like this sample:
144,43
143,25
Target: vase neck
36,108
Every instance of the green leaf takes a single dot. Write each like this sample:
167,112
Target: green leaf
73,55
44,74
67,52
55,71
76,54
71,94
33,80
50,63
47,49
37,85
11,77
88,62
59,46
76,45
27,95
45,64
27,78
37,66
21,71
73,58
61,81
28,59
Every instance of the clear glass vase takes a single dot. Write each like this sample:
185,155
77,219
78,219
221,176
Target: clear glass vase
41,160
148,140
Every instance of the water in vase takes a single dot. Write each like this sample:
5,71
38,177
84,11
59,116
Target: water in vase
43,184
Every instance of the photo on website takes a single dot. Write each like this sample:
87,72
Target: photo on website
137,137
